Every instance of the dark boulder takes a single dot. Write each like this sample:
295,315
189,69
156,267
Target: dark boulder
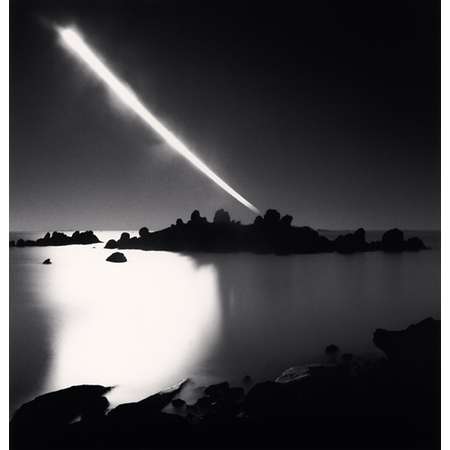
12,243
414,244
116,257
266,399
221,217
111,244
217,390
145,409
418,346
258,222
272,217
287,220
124,236
197,219
331,349
59,408
351,242
392,241
178,403
47,261
144,233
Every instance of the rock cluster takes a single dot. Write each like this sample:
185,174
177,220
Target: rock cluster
390,403
271,233
57,238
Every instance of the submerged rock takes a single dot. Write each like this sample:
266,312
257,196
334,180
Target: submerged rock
47,261
116,257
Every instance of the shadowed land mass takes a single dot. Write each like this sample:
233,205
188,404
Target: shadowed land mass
390,402
271,233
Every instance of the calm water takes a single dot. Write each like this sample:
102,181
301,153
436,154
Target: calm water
161,317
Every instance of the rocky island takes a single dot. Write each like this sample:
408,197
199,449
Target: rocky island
58,239
271,233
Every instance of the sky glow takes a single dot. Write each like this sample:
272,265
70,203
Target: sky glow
75,43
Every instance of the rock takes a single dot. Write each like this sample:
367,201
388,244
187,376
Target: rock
287,220
111,244
221,217
217,390
414,244
352,242
124,236
178,403
236,394
293,374
418,346
60,407
12,243
392,241
259,221
266,399
331,349
272,217
144,233
58,239
116,257
47,261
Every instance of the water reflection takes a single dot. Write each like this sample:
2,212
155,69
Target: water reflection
140,325
161,316
29,339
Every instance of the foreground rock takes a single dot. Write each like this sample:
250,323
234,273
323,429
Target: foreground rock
272,233
415,348
383,404
117,257
58,239
46,420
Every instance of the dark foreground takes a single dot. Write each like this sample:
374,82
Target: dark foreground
390,403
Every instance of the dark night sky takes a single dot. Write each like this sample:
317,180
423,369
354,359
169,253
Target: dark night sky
328,111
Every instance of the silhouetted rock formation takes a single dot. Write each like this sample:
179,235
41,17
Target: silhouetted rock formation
117,257
269,234
47,261
57,238
45,420
414,348
12,243
352,404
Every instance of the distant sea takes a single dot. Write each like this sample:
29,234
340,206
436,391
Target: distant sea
162,316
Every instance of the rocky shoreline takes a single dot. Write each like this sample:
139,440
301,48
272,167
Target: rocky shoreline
58,239
272,233
389,403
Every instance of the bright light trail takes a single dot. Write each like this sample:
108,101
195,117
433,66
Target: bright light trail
74,41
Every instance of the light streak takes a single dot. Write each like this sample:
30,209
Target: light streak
74,41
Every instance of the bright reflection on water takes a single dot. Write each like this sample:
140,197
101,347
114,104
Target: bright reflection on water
160,317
